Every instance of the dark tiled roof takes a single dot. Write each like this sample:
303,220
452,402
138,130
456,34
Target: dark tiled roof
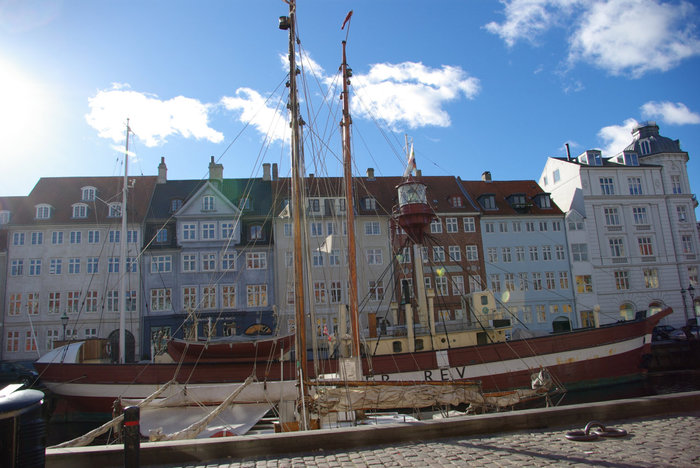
63,192
503,189
163,194
649,132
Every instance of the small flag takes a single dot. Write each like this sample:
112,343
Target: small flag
347,18
411,166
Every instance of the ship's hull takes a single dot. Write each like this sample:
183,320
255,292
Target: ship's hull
261,348
581,358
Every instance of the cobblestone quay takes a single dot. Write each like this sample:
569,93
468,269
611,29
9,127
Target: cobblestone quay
665,433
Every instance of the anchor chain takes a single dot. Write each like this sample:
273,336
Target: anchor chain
589,434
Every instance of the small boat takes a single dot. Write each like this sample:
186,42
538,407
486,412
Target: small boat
229,348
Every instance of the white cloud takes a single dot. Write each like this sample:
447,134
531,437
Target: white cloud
674,114
635,36
255,111
410,93
151,119
617,137
621,36
526,19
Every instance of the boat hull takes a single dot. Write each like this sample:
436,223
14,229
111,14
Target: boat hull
263,348
577,359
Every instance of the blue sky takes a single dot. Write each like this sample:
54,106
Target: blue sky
477,85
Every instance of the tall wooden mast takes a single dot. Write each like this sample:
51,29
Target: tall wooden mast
122,257
347,165
297,206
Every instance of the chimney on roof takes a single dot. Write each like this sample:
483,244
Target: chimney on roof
370,173
419,172
216,171
568,152
486,176
162,171
275,173
266,171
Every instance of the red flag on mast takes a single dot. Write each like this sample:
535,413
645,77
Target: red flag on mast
347,18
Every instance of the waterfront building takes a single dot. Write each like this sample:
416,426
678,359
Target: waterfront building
526,259
63,269
631,225
208,263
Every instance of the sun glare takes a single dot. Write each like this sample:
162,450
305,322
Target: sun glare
22,101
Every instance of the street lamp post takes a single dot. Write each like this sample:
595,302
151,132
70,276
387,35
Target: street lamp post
64,322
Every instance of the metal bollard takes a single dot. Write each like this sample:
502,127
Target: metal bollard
131,437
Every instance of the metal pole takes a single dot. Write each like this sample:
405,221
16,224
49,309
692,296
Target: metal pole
132,437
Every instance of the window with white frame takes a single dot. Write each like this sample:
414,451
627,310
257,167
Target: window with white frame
73,301
320,292
693,275
74,266
334,257
436,226
257,295
651,278
645,246
541,312
676,187
208,261
639,214
438,254
316,229
189,262
584,284
12,342
502,226
18,238
35,267
372,228
43,212
606,186
682,212
114,236
208,203
556,226
189,231
469,225
455,253
369,203
33,303
51,337
161,264
130,297
457,285
635,185
537,281
622,280
489,227
509,281
564,279
88,193
189,298
256,232
93,265
57,237
287,229
115,210
228,261
376,290
559,252
208,297
488,202
474,283
17,267
506,256
549,280
546,252
256,260
93,236
441,286
579,252
54,302
29,342
495,280
161,299
336,292
75,237
534,253
687,244
317,258
162,236
228,296
617,247
451,225
520,253
374,256
492,253
530,226
517,226
523,281
91,301
112,301
612,217
543,226
471,252
80,210
4,217
208,231
112,265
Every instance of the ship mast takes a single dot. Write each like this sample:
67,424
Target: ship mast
122,258
297,207
352,258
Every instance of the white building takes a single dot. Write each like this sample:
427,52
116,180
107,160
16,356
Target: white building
630,226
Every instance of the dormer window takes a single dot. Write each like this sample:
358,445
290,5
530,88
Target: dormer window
80,210
369,203
115,210
456,202
645,147
488,202
175,204
244,203
4,217
628,159
256,232
591,158
88,194
314,205
43,211
341,205
543,201
208,203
